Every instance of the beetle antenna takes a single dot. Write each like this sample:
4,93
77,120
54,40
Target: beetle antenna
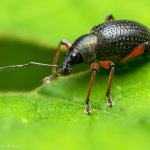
28,64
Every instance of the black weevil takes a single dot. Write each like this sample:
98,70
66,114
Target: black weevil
107,43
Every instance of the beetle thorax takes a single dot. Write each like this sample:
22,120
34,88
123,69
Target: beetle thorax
86,45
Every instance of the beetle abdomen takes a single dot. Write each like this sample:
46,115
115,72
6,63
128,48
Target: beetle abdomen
118,38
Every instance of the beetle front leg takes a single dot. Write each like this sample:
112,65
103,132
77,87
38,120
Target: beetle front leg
57,54
94,68
109,18
55,60
109,65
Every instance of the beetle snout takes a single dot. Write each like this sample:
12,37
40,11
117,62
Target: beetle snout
66,69
72,57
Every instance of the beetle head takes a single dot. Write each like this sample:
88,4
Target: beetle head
72,57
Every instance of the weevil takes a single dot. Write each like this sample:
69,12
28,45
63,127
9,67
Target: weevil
108,43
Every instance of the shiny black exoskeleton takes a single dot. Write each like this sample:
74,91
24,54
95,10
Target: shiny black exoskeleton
108,41
116,39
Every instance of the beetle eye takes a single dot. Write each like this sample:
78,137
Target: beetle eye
73,57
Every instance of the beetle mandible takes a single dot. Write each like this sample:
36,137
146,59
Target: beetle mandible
107,43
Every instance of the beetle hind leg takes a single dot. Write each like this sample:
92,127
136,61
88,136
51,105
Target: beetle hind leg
137,51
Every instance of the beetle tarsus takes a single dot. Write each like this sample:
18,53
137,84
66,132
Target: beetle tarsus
110,103
48,79
88,110
52,77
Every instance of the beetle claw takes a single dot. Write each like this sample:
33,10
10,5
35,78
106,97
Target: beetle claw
88,110
110,103
50,78
47,79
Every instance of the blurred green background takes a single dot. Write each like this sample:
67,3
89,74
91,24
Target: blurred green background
51,117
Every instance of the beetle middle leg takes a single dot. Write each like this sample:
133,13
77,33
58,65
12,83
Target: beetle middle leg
94,68
109,65
109,18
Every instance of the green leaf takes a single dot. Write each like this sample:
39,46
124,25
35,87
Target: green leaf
53,116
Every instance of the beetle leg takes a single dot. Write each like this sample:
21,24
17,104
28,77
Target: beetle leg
109,18
94,68
55,60
109,65
139,50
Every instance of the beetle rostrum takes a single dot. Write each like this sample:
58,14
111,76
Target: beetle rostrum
72,57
